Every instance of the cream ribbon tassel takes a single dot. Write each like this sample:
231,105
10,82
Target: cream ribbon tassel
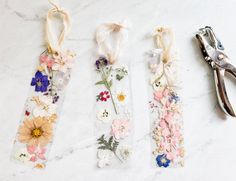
54,43
111,49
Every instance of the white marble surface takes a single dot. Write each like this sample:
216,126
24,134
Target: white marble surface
209,138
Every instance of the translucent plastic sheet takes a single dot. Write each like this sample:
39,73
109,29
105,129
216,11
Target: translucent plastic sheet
42,108
113,113
165,111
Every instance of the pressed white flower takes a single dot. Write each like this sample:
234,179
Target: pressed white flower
22,155
125,152
43,106
60,80
104,115
120,72
121,96
62,62
104,157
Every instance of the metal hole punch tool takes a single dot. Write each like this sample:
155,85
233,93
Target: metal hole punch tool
213,53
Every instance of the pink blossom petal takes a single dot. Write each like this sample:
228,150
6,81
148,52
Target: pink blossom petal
166,92
162,124
170,156
168,104
168,117
41,156
165,132
31,149
33,159
50,63
158,95
42,150
177,134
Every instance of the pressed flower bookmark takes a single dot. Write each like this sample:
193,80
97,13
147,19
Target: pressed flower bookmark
113,98
37,125
165,104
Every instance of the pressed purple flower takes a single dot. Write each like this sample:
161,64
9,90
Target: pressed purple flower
40,82
55,99
102,61
174,97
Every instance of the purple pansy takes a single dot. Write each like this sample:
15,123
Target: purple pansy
102,61
40,82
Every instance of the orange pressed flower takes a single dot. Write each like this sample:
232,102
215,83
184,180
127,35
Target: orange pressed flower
35,132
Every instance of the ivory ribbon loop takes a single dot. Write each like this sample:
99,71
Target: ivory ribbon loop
164,40
54,43
111,49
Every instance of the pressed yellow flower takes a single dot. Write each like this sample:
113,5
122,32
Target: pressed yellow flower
35,132
52,118
121,96
39,166
40,68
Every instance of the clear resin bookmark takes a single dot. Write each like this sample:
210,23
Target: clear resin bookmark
40,115
165,103
113,125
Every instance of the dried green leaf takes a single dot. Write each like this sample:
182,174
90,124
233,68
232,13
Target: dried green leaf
99,82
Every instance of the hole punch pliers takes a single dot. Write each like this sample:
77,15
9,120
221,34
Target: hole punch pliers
213,53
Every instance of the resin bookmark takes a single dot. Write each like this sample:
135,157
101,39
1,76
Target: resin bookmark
113,98
165,103
48,84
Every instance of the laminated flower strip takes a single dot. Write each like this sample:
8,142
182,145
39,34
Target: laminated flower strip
101,65
167,127
39,135
104,65
36,129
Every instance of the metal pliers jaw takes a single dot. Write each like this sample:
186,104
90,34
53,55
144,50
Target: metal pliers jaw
213,53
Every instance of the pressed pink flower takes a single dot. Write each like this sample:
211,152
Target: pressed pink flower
168,117
158,95
166,92
165,132
170,155
63,62
167,104
44,59
162,123
120,128
176,133
36,153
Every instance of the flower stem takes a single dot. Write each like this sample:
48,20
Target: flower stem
118,157
104,78
113,102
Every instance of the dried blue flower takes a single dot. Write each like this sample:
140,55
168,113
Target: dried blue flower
162,161
174,97
40,82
